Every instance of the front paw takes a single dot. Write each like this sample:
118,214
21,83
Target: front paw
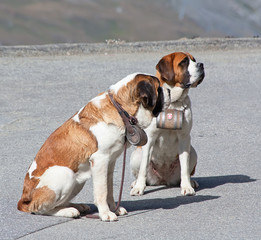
108,216
187,191
138,189
121,211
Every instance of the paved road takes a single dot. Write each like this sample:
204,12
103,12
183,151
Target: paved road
37,94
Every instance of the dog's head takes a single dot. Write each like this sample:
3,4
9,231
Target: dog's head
141,96
180,71
149,93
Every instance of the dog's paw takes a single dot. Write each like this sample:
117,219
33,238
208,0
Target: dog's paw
69,212
187,191
133,184
137,190
108,216
121,211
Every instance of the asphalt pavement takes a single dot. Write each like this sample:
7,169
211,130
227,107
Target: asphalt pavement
42,86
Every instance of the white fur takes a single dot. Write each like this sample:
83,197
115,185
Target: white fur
83,173
66,185
55,178
97,100
110,145
108,136
123,82
32,168
144,117
70,212
175,92
193,71
76,117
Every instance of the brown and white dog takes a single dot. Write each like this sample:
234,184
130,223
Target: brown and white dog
168,158
86,145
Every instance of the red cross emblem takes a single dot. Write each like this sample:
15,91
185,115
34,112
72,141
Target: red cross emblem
169,116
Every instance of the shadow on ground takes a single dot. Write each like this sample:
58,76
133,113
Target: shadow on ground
171,203
215,181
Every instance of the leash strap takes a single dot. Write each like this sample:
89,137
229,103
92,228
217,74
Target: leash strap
127,119
122,175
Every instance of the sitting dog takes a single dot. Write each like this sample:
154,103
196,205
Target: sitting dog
86,145
168,158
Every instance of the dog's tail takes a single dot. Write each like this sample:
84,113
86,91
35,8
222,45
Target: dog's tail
26,198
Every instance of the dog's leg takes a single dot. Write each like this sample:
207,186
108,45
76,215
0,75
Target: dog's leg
81,207
135,161
184,158
53,192
192,166
139,185
100,168
110,199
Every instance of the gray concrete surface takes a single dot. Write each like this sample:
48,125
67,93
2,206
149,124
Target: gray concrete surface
38,92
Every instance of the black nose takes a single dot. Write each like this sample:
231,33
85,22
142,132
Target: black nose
200,65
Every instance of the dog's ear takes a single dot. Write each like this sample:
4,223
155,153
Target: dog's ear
165,68
191,57
159,104
147,94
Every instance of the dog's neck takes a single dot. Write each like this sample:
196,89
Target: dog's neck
179,99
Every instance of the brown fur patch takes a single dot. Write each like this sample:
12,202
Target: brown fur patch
29,186
69,145
43,198
169,70
106,113
129,96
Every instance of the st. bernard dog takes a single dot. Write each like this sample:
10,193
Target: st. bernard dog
168,158
86,145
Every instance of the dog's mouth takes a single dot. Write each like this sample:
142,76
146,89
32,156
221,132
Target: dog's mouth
201,77
199,80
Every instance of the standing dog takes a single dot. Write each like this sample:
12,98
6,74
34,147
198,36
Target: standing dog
88,144
168,158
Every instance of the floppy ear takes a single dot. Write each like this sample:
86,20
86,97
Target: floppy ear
159,104
165,68
191,57
147,94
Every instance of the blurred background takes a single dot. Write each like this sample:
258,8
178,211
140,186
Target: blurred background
24,22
